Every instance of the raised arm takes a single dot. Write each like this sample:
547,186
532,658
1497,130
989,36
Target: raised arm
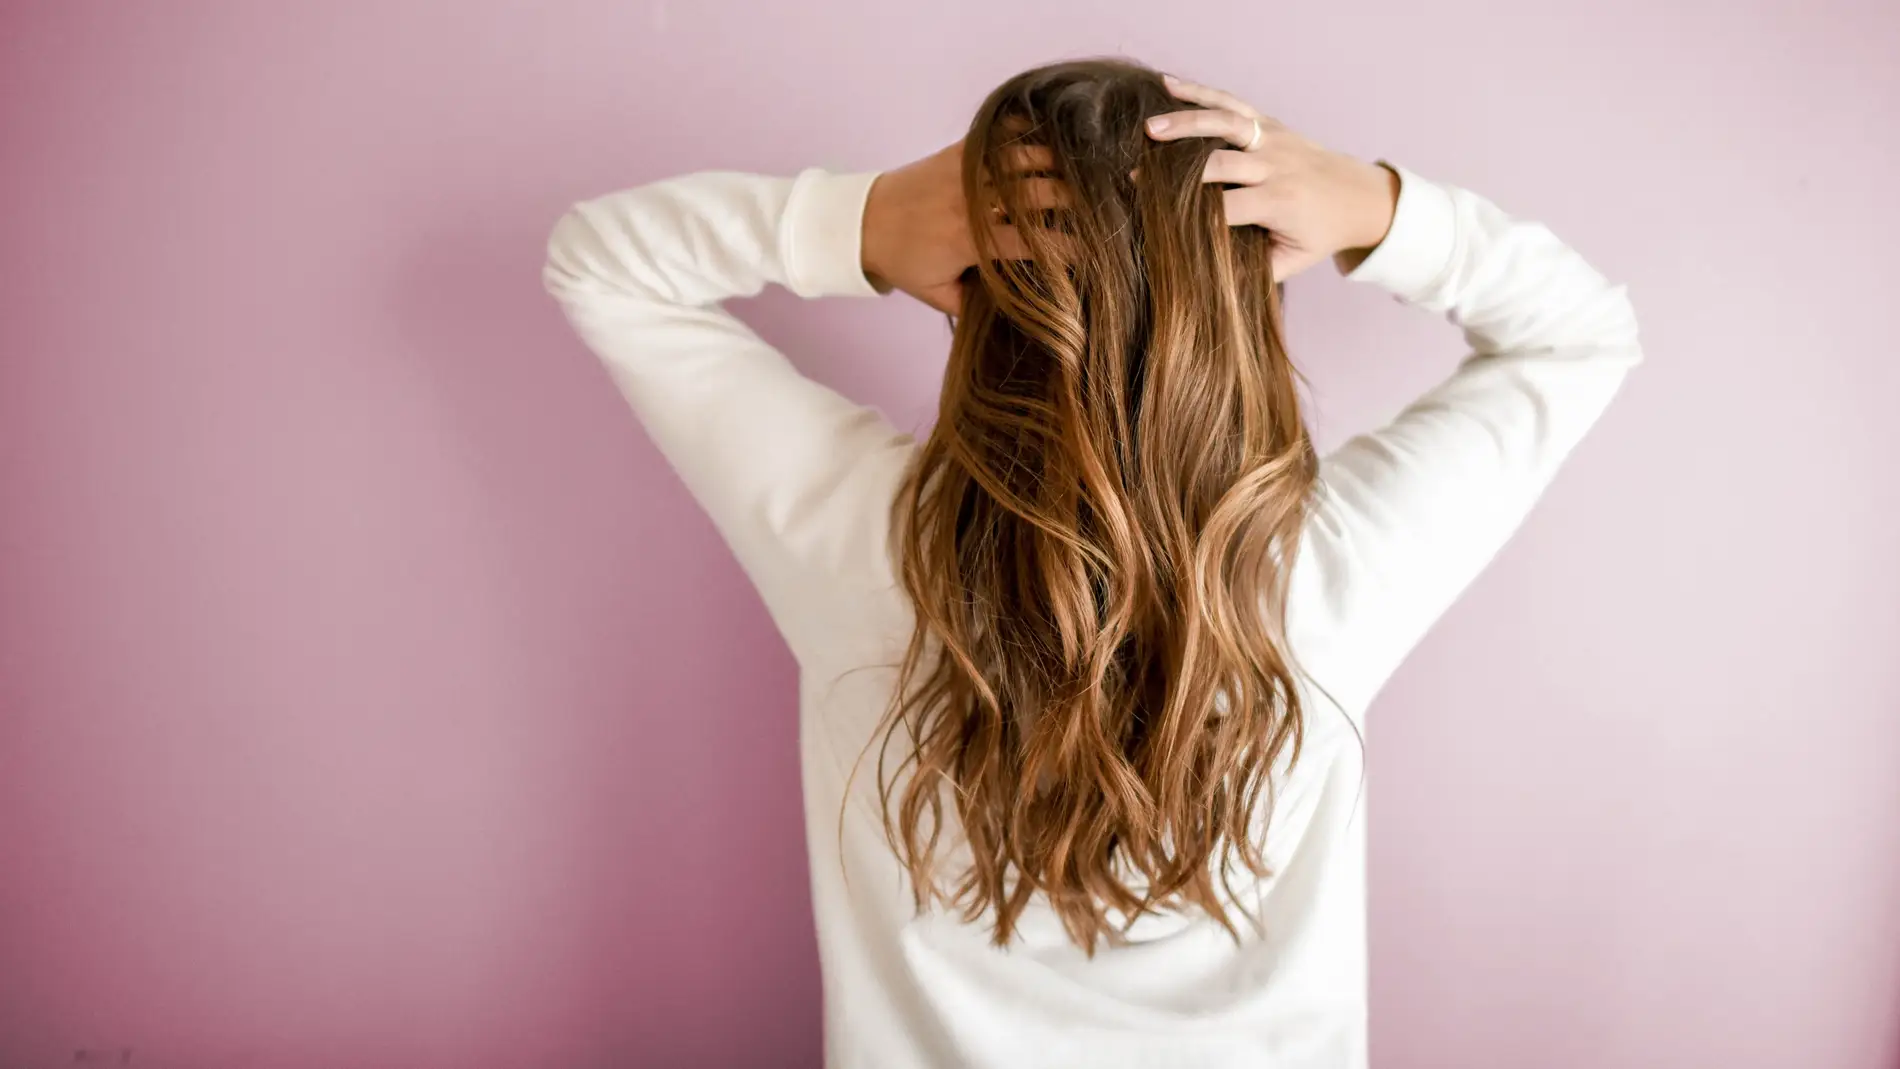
1409,514
1405,517
795,477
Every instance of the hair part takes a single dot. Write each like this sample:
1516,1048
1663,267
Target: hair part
1096,533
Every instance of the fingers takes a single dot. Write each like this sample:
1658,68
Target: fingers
1029,175
1238,207
1010,244
1036,202
1209,97
1235,168
1024,158
1041,194
1237,129
1222,114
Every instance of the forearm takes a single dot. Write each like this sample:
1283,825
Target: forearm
698,239
789,471
1409,514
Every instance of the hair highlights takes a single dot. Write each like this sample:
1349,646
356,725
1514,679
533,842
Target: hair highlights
1096,533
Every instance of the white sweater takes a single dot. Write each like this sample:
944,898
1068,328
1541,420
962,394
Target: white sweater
798,480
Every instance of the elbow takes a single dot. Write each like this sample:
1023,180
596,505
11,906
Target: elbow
592,256
569,267
1610,326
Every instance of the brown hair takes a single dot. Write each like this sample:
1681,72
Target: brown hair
1096,534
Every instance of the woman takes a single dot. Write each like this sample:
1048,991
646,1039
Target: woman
1083,673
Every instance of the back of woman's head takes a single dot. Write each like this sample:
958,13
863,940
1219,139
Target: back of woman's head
1095,535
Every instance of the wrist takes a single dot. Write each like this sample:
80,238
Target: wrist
1376,204
873,233
1379,202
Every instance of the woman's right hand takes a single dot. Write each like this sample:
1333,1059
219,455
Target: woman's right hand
917,230
917,225
1315,202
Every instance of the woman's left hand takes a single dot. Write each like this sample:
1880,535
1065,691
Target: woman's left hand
1315,202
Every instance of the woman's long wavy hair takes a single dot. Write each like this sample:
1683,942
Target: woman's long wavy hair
1097,532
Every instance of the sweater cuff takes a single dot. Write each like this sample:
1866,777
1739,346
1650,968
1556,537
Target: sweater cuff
821,238
1417,250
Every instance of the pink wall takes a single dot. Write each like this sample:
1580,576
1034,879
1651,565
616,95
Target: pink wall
371,696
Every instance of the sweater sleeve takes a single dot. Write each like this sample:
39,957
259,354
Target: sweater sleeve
1406,516
795,477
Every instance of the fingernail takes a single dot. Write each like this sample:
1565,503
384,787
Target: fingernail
1157,124
1170,79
